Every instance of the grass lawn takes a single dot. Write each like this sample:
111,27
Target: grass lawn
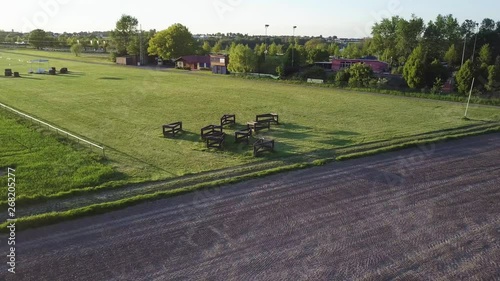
43,164
123,109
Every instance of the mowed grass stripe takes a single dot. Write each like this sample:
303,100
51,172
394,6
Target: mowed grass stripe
123,108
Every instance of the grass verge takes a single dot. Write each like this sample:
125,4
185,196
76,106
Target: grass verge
57,217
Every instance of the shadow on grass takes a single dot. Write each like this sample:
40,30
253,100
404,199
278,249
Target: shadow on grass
185,136
110,78
31,78
22,77
337,142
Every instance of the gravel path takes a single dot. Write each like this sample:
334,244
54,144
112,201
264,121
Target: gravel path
429,213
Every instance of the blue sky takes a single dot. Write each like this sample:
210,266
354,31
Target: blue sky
343,18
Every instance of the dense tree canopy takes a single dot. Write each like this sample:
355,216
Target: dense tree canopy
243,59
414,69
124,33
173,42
464,77
38,38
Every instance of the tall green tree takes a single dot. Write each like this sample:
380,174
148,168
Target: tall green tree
408,35
243,59
493,84
217,47
76,49
207,49
485,55
134,46
352,51
385,38
318,55
38,38
273,49
464,77
333,49
124,33
172,42
414,69
452,56
294,57
315,43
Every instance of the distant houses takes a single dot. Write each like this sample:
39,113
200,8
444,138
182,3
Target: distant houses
219,64
193,62
338,64
376,65
127,60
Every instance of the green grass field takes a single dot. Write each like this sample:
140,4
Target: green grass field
123,109
44,164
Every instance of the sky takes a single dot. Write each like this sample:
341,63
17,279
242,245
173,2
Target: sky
343,18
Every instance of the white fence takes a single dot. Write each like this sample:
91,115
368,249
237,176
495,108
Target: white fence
68,135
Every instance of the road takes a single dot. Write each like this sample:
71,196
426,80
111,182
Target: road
428,213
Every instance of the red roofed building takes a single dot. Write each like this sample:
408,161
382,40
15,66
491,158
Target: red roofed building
377,66
193,62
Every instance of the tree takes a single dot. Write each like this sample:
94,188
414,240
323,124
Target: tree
243,59
435,71
206,47
414,69
452,56
464,77
125,31
173,42
352,51
38,38
293,58
333,49
76,49
493,84
408,34
485,55
273,49
342,77
279,49
318,55
360,75
487,25
440,34
134,46
385,38
218,47
315,43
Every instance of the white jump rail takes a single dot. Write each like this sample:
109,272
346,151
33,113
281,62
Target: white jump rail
68,134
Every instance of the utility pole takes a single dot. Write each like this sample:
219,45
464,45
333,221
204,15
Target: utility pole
141,49
265,40
470,95
463,53
293,46
475,41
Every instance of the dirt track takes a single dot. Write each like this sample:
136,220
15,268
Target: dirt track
431,213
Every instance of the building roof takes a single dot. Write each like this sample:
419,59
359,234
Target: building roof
194,59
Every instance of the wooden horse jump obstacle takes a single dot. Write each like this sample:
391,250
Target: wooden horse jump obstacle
172,129
261,146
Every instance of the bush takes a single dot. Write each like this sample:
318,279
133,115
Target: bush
76,49
437,88
342,76
360,75
112,56
314,72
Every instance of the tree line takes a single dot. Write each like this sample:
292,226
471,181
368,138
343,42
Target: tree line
425,54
